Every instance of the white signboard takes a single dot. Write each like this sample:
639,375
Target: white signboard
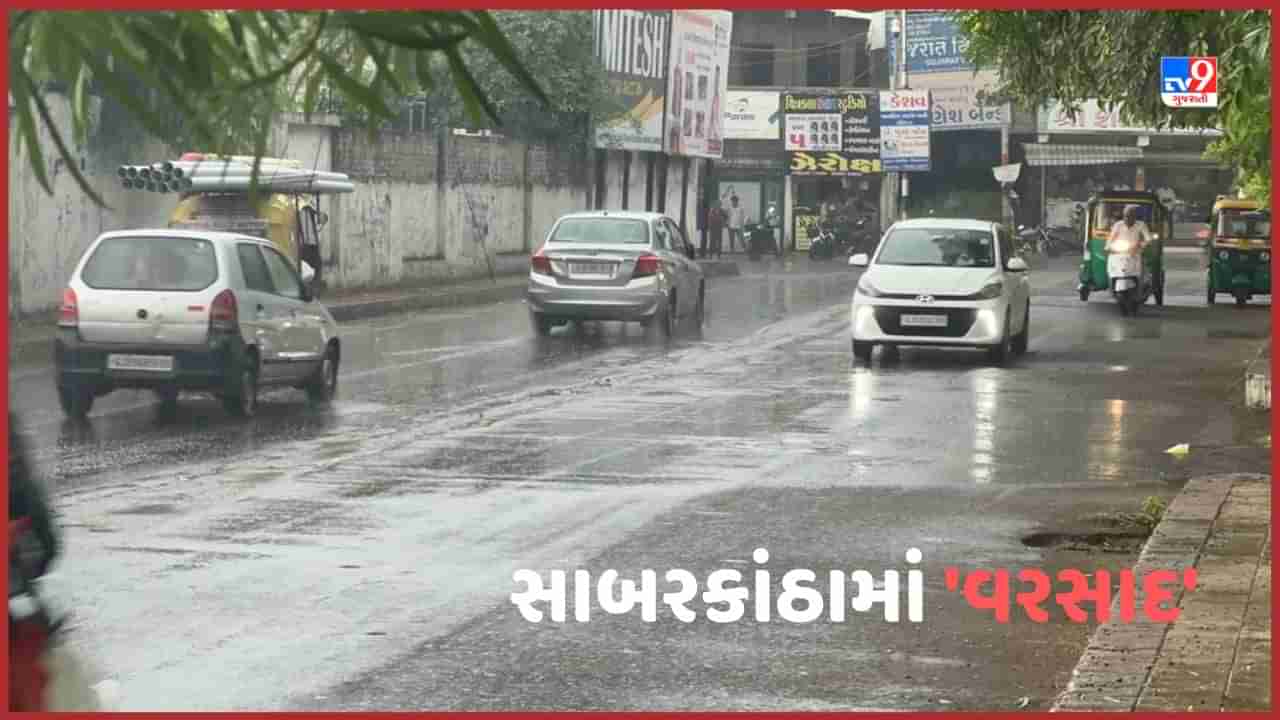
698,82
751,115
1092,118
904,130
818,132
1006,174
957,108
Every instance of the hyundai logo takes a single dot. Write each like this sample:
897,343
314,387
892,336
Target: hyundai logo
142,314
924,299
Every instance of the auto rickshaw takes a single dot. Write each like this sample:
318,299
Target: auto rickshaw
1239,250
1101,213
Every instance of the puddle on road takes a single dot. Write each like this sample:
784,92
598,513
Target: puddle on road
1094,542
150,509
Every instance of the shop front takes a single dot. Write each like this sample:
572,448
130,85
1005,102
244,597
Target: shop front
751,169
831,147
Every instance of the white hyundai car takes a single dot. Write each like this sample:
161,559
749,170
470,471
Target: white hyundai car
938,282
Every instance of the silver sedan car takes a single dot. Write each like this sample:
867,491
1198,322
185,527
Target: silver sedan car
609,265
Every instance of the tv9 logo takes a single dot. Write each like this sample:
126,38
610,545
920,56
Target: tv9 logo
1189,82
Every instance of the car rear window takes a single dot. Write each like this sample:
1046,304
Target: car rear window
602,231
151,263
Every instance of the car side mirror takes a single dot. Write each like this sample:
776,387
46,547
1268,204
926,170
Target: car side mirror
859,260
1021,228
1017,264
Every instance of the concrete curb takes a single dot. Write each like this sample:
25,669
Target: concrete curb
1257,380
1117,663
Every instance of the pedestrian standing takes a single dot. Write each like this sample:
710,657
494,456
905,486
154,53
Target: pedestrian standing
715,224
737,219
702,228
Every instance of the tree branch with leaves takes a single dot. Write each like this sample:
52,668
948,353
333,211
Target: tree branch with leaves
225,75
1114,56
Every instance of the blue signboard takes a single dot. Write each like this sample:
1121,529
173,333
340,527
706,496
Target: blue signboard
934,44
904,130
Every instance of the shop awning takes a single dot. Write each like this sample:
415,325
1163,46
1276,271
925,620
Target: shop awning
1039,154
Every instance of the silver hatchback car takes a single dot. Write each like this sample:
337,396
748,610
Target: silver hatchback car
609,265
178,310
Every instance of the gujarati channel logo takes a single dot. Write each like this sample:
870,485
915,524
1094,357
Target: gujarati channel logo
1189,82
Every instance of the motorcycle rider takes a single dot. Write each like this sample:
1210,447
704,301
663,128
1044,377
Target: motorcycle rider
33,546
1129,234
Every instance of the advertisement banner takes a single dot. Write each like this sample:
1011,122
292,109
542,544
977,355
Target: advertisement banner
698,82
632,45
752,115
1092,118
904,130
957,108
934,44
833,135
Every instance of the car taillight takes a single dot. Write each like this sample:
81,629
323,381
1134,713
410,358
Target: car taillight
540,264
69,313
647,265
224,313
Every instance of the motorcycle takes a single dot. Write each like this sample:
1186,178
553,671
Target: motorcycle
46,674
823,246
1129,284
1040,241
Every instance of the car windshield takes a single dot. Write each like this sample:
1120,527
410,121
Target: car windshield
1107,214
601,231
151,263
1244,224
938,247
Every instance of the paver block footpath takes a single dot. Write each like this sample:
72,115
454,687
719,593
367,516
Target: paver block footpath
1216,655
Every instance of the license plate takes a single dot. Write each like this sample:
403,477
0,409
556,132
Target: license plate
591,269
148,363
930,321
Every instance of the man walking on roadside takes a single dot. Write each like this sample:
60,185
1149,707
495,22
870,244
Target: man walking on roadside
737,219
715,226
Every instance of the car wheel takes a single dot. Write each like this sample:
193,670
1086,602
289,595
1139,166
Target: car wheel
1023,338
323,386
243,401
862,351
1084,294
1160,291
1211,294
168,401
541,324
700,313
667,317
76,402
999,354
1242,298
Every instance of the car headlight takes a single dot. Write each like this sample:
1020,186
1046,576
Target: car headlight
991,290
866,288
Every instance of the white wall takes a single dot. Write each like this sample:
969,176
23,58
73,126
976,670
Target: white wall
48,233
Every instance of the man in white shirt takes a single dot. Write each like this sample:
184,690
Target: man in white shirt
737,219
1130,235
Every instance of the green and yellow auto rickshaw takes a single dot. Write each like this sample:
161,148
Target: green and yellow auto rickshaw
1239,250
1102,212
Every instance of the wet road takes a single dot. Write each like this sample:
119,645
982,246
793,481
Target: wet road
362,558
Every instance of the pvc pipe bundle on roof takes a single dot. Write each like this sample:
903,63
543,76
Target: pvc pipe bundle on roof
231,175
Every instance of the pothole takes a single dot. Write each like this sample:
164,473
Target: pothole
1108,542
